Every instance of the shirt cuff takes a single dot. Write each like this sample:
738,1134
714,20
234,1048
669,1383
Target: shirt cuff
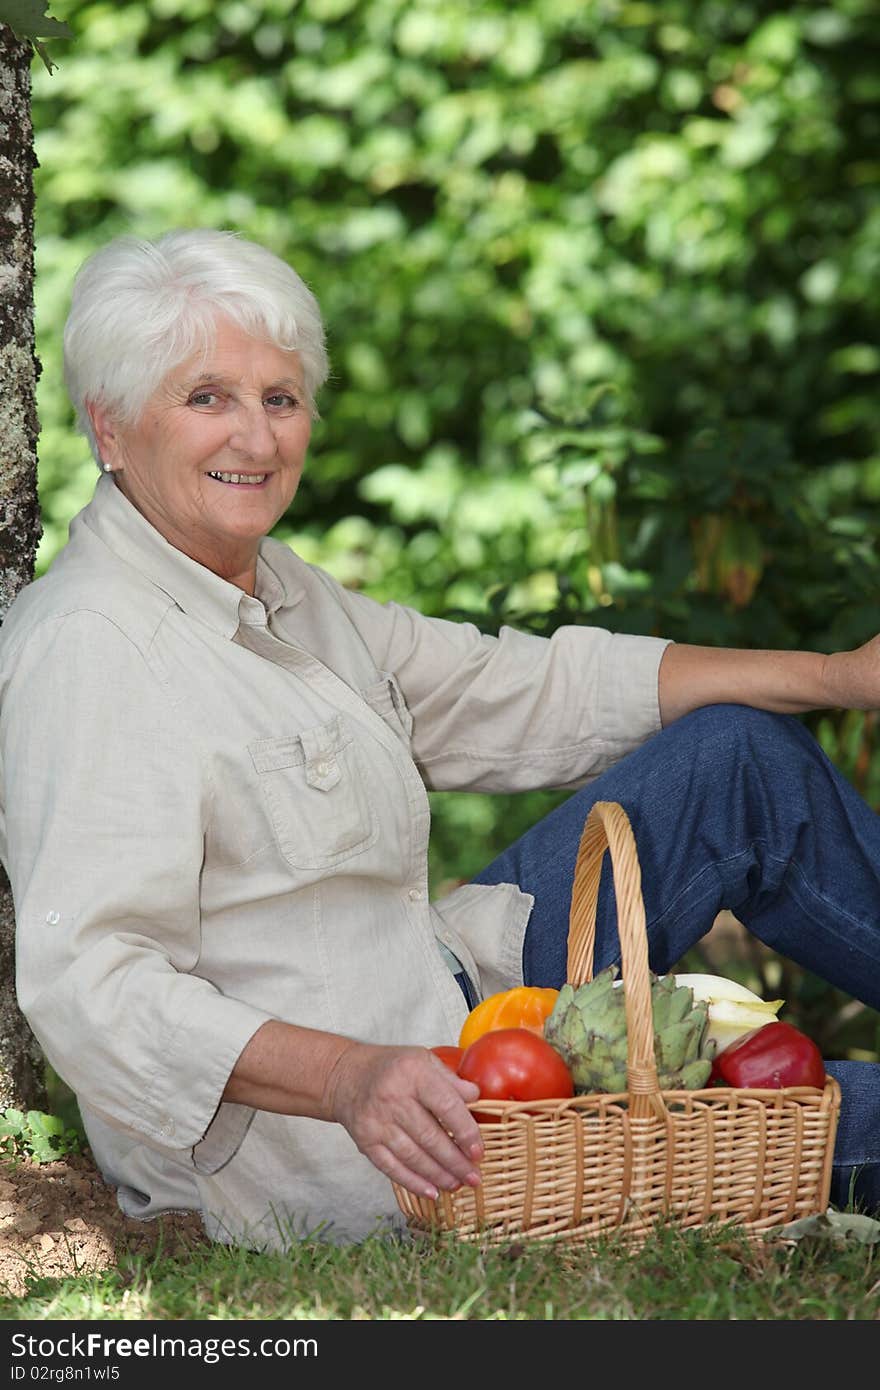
184,1107
629,700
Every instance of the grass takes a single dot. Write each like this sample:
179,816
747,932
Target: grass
675,1275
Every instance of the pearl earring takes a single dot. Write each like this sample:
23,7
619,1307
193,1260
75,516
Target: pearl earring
106,467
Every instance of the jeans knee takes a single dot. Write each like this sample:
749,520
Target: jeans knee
752,756
740,730
727,719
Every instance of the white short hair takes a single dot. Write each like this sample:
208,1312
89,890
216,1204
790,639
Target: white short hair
140,308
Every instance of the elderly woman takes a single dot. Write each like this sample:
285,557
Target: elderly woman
215,765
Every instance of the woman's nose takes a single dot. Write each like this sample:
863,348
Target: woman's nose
252,433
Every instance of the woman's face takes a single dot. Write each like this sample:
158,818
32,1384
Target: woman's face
216,456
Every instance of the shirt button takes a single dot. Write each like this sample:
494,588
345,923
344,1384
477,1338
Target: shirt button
415,895
167,1127
53,917
322,769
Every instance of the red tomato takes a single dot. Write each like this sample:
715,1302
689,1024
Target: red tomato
769,1058
515,1064
450,1055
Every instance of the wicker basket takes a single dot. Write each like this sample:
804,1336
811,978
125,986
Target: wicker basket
572,1169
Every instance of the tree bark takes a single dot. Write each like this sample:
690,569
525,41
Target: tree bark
22,1067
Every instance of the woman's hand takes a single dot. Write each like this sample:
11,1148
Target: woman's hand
408,1115
404,1109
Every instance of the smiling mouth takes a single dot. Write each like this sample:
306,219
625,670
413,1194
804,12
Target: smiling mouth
250,479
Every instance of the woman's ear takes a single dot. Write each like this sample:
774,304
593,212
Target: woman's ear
107,437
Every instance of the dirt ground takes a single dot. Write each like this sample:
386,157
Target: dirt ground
60,1219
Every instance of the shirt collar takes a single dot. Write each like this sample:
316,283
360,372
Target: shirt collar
193,587
271,589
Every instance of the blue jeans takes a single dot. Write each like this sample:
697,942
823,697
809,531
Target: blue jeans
733,808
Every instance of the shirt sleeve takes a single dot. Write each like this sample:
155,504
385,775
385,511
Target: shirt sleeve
105,802
514,712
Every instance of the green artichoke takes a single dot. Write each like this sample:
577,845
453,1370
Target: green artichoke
588,1029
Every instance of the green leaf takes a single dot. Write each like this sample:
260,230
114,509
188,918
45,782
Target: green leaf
27,20
836,1226
44,1126
11,1124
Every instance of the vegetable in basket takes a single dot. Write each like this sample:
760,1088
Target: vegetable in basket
515,1064
770,1058
524,1006
734,1010
449,1056
588,1029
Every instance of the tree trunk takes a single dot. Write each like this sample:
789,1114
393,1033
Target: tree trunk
22,1069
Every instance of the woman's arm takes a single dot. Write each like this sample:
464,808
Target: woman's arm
104,806
789,682
403,1108
509,713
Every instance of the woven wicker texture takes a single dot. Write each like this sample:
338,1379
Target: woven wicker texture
571,1169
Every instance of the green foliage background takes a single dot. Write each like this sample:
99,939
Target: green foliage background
601,283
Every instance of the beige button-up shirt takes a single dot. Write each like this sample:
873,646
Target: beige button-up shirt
214,813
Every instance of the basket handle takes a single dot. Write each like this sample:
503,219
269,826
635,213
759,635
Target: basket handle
607,827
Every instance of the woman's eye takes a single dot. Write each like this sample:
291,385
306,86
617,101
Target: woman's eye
281,401
203,398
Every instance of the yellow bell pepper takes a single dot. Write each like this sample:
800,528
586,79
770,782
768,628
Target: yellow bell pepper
525,1006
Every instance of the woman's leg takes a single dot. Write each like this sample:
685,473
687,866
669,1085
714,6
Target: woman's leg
855,1174
732,808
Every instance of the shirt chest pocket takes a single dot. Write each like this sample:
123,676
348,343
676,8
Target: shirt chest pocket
315,790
